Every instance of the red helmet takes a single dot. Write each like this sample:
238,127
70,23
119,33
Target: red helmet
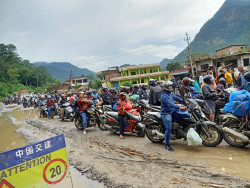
122,96
186,81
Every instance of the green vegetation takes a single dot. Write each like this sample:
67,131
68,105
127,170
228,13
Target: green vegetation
229,26
18,74
127,83
173,66
97,84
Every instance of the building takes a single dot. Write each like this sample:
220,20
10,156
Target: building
105,76
181,73
139,74
238,55
69,85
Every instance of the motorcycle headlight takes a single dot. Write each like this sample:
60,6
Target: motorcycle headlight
202,114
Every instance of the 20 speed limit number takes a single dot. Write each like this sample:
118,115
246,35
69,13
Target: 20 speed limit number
55,171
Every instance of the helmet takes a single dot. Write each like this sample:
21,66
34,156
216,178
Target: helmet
207,79
104,88
222,80
186,81
122,96
89,92
136,87
151,82
144,86
247,76
166,86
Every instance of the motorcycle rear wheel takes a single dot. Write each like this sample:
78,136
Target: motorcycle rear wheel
150,136
214,140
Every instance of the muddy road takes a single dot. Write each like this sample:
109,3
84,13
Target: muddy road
135,161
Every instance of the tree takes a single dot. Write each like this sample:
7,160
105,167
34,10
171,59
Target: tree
173,66
97,84
77,86
127,83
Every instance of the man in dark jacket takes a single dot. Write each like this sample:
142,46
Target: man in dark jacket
209,95
155,93
143,92
113,97
105,97
168,107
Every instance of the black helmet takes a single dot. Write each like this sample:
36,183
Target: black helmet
247,76
222,80
165,86
89,92
104,88
113,90
136,87
207,79
151,82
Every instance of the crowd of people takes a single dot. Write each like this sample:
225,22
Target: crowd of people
164,94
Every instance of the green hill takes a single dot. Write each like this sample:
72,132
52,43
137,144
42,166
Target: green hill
229,26
61,70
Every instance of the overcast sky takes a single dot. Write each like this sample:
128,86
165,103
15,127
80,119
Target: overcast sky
96,34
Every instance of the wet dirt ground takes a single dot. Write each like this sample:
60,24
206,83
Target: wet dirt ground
137,162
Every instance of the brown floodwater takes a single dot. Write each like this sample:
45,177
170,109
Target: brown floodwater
224,159
11,140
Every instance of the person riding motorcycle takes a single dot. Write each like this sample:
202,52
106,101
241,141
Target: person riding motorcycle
209,95
50,104
113,97
155,93
105,96
83,105
143,92
95,94
246,86
168,107
222,84
185,87
121,111
61,102
89,96
42,102
136,90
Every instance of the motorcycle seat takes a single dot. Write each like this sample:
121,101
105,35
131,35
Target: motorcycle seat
157,107
155,114
113,114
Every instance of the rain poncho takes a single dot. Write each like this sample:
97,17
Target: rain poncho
239,103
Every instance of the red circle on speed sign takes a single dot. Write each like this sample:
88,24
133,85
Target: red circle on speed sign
44,171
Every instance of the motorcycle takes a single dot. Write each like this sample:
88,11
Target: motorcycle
134,125
236,131
68,112
43,110
210,133
25,104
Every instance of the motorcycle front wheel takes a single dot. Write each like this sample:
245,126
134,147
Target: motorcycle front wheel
215,138
78,123
100,124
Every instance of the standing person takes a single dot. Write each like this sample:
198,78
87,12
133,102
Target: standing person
50,103
61,102
168,107
241,78
105,96
83,105
143,92
229,77
221,74
155,93
209,95
200,79
121,111
113,97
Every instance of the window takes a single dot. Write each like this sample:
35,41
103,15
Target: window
150,71
234,61
85,80
246,62
78,81
145,72
133,73
162,78
141,71
134,82
142,80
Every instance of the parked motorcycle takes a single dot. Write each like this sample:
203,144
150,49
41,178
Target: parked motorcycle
236,131
210,133
111,121
68,112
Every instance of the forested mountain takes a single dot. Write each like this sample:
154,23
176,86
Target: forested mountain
164,62
18,74
229,26
61,70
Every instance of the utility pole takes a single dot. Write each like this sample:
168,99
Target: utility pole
70,80
189,52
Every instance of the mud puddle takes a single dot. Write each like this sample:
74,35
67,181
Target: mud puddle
223,158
